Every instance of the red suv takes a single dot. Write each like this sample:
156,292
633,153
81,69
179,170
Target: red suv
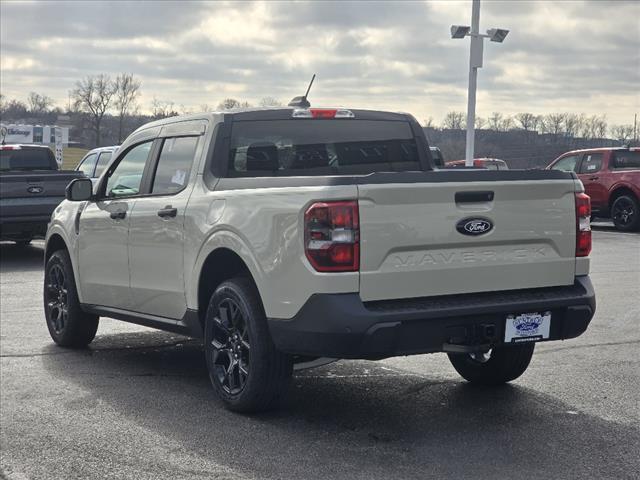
611,177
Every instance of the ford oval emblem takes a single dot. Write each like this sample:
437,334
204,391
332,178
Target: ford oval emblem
474,226
35,189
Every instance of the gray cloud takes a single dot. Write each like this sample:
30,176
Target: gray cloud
580,56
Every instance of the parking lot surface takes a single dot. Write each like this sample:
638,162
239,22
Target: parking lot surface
138,403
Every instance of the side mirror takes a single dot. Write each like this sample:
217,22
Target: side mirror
79,190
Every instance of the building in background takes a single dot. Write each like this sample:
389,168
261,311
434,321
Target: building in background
38,134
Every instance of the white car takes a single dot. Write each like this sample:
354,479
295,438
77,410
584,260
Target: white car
300,233
95,161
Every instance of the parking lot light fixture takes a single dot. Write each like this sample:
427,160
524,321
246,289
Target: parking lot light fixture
475,62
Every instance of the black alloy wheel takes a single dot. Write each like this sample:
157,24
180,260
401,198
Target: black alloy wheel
57,301
624,213
231,349
68,324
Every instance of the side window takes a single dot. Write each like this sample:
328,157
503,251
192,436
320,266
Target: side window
567,164
591,163
630,159
103,161
88,165
174,165
125,180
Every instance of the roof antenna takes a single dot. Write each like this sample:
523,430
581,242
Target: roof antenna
302,101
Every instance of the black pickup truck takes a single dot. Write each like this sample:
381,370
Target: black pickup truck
31,187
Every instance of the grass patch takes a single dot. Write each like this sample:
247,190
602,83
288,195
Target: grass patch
71,156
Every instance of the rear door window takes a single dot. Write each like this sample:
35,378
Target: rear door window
321,147
174,164
591,163
626,160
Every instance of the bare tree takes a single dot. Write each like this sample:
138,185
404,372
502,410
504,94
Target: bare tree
13,110
494,121
39,104
162,109
454,121
624,133
127,90
526,120
480,122
269,102
571,124
428,123
553,123
601,127
93,95
231,103
507,124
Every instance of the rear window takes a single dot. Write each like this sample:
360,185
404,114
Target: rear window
627,160
321,147
27,159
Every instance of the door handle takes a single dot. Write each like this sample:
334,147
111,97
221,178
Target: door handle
594,178
118,214
167,212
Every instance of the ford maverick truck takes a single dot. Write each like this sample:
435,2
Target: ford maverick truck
292,234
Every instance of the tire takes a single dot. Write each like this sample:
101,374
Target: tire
247,371
625,213
500,365
68,325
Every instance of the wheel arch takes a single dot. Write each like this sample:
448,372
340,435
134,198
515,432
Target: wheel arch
54,243
220,264
620,190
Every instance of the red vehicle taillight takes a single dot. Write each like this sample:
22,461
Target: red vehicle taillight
332,236
583,225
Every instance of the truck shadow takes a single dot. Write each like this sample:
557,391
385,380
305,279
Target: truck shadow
21,259
346,420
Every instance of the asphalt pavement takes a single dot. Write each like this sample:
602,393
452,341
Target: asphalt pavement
138,404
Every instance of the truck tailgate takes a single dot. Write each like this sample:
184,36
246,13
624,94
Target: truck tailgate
410,246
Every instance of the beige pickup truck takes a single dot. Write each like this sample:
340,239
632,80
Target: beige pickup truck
292,234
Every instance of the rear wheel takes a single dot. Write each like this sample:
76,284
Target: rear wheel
246,370
625,213
495,367
68,325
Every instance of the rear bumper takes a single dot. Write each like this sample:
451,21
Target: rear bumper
24,227
342,326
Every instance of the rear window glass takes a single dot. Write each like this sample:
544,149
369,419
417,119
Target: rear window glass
321,147
626,160
27,159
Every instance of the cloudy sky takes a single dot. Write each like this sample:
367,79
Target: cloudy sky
579,56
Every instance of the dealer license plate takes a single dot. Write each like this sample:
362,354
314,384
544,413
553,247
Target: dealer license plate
527,327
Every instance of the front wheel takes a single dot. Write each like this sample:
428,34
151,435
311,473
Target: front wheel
495,367
625,213
247,371
68,325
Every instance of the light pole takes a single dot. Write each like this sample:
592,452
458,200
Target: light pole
475,62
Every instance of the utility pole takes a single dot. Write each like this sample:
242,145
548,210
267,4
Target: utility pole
475,62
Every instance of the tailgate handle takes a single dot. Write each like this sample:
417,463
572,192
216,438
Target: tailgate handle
474,197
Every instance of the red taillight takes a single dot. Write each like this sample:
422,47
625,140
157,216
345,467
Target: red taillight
332,236
583,225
